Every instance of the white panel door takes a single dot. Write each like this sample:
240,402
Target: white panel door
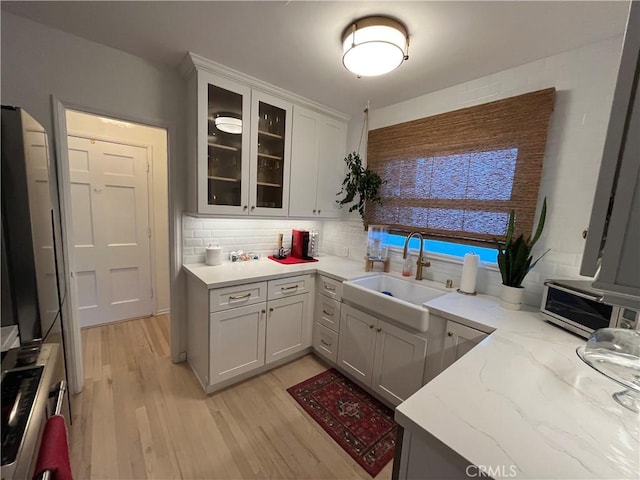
398,367
356,343
459,340
110,215
287,326
237,341
331,167
304,163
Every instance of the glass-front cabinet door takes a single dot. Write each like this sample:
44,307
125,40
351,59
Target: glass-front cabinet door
270,155
223,133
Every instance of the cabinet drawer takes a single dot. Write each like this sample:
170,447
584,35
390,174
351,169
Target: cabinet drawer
330,288
325,342
328,312
237,296
285,287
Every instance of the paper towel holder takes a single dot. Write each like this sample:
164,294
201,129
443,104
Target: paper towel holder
466,293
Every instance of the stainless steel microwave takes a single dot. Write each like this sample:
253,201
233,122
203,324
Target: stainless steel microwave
576,306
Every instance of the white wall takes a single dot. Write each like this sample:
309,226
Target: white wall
38,61
584,80
155,139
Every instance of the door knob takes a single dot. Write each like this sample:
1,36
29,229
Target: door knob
449,334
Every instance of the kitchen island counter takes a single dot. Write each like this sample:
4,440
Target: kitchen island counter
522,404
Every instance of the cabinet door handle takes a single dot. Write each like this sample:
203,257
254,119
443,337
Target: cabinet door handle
245,207
330,289
288,289
378,330
371,326
327,313
264,311
325,343
319,212
314,211
240,297
253,207
449,334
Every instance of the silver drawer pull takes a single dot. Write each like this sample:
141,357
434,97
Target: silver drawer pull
325,343
327,313
240,297
288,289
330,289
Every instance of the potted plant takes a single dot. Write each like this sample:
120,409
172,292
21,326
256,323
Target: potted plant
360,185
515,260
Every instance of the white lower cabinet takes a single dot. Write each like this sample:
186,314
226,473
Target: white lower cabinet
325,342
357,343
387,358
458,340
238,331
288,327
237,339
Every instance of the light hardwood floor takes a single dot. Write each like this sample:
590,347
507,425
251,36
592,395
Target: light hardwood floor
142,416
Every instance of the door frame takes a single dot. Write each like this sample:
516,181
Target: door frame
71,319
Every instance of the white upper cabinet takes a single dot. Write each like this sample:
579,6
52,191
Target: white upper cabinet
240,150
611,252
270,155
317,169
223,145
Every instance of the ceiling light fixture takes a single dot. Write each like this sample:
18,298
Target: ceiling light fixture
374,45
228,124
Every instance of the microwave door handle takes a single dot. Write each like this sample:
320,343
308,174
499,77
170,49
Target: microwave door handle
595,298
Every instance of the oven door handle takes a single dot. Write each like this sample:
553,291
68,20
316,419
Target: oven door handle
58,392
595,298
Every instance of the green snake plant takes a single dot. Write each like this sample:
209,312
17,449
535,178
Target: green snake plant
514,255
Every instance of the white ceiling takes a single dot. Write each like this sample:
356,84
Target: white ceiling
296,45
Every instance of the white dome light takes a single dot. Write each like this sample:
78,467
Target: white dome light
374,45
229,124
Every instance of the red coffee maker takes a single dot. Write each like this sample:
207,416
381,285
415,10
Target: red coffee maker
300,244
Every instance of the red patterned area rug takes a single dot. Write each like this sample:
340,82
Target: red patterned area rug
360,424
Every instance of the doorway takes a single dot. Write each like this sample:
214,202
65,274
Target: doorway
119,238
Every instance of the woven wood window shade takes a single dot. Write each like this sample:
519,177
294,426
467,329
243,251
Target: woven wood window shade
457,175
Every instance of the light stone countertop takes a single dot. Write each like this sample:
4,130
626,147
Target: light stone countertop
522,397
235,273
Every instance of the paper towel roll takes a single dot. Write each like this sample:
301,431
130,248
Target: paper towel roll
469,273
213,255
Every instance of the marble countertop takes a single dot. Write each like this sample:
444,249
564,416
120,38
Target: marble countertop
232,273
522,397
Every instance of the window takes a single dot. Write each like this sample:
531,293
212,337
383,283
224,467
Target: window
456,176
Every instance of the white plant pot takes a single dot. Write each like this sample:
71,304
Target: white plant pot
511,297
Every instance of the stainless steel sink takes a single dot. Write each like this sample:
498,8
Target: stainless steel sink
391,297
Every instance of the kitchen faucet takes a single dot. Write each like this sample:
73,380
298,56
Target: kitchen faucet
421,262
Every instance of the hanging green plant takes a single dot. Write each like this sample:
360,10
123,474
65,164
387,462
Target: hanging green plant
360,185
